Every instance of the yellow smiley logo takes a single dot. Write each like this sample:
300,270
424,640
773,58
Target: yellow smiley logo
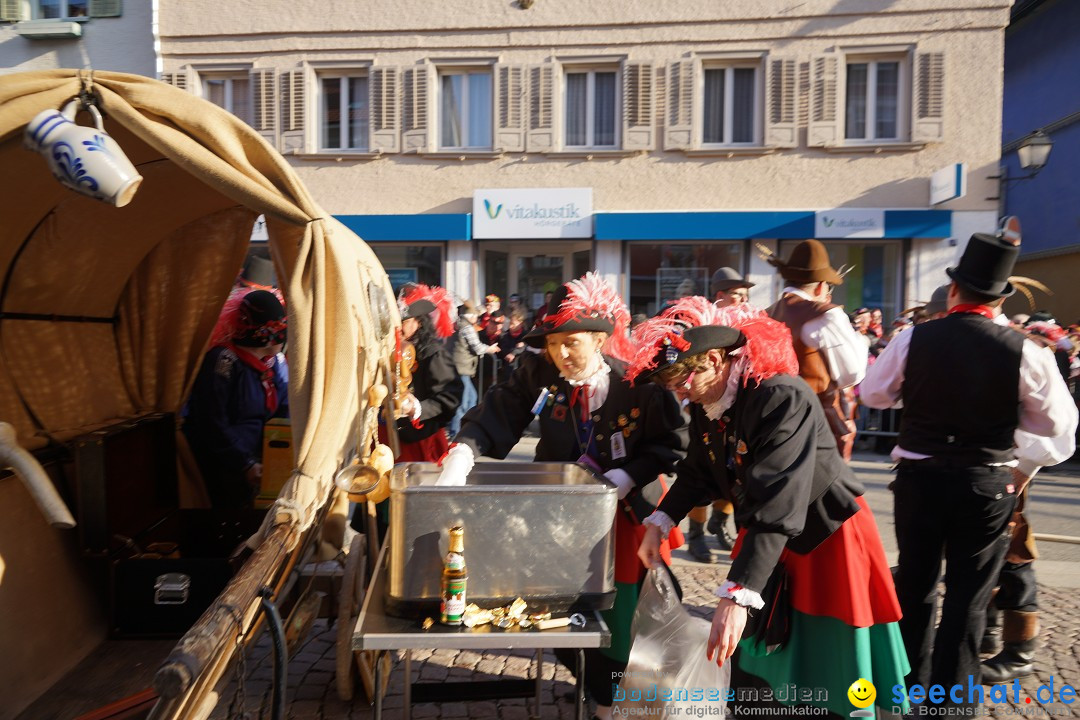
862,693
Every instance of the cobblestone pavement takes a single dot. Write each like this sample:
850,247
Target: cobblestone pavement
312,692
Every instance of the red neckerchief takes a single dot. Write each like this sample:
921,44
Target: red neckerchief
582,392
975,308
265,368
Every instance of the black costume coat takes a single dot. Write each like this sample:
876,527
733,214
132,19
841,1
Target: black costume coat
438,387
651,441
771,454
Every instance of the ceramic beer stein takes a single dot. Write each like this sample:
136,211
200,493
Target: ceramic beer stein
85,159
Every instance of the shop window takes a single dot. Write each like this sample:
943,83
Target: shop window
61,9
407,262
874,100
591,101
344,115
663,272
730,102
465,109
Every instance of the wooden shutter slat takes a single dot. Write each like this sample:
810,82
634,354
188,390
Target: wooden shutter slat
824,126
106,8
639,99
385,109
541,134
510,113
928,97
781,96
679,129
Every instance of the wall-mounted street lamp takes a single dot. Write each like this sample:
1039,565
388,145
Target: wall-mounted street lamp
1033,152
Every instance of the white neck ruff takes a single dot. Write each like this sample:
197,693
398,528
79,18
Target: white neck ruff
599,383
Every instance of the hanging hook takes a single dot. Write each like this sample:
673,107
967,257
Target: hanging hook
87,96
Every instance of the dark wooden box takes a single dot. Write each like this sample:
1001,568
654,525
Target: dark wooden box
125,481
198,547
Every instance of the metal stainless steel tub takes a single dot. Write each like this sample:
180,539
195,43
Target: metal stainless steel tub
540,531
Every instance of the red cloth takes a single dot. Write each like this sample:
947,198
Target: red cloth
986,312
430,449
846,577
265,368
628,536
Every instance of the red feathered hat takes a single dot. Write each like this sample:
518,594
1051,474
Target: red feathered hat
251,318
694,325
416,300
588,304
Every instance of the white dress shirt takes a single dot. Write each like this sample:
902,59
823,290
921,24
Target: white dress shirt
831,334
1047,409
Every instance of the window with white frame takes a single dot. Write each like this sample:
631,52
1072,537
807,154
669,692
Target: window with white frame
229,91
465,109
591,102
344,112
61,9
874,99
731,98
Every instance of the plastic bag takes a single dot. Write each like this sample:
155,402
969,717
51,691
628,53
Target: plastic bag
668,673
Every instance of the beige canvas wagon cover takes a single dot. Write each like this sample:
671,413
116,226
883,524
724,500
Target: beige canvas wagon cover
136,290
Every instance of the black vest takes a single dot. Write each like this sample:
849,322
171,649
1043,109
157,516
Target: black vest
962,390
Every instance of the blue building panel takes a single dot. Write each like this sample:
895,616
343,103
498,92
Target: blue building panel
1041,92
703,225
918,223
410,228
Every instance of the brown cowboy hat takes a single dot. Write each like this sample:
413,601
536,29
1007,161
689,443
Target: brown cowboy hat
808,262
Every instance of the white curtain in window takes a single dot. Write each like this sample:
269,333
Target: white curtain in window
577,89
480,112
451,110
358,113
855,120
604,114
713,131
742,120
887,100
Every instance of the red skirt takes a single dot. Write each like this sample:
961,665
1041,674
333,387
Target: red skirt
846,577
430,449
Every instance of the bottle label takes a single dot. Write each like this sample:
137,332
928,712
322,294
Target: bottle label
453,601
455,561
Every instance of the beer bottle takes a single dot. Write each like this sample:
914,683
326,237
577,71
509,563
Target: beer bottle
454,578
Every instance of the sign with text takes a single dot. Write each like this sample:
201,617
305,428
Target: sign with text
528,213
948,183
849,223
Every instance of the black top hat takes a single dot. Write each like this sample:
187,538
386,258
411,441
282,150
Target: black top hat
986,265
726,279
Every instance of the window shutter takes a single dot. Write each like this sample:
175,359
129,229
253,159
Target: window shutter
416,109
178,79
385,111
679,132
541,135
292,111
510,113
264,93
824,127
14,10
928,98
782,102
106,8
639,99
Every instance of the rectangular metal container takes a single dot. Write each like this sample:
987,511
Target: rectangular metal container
539,531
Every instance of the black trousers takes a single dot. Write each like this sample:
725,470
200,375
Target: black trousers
959,514
1017,589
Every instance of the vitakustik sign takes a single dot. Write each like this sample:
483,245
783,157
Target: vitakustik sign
849,223
528,213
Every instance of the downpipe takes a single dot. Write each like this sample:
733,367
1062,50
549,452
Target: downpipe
34,477
281,653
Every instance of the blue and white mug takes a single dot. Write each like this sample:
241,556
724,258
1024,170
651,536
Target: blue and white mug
85,159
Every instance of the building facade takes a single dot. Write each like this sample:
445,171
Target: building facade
1041,54
507,147
85,34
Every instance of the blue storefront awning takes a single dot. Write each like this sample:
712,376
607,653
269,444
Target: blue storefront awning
410,228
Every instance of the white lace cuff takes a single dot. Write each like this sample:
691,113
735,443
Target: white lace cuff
743,596
662,520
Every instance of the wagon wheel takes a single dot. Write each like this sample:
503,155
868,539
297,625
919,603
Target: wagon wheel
349,602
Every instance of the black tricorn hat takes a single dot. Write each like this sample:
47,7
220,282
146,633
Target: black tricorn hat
986,265
418,309
694,341
584,322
